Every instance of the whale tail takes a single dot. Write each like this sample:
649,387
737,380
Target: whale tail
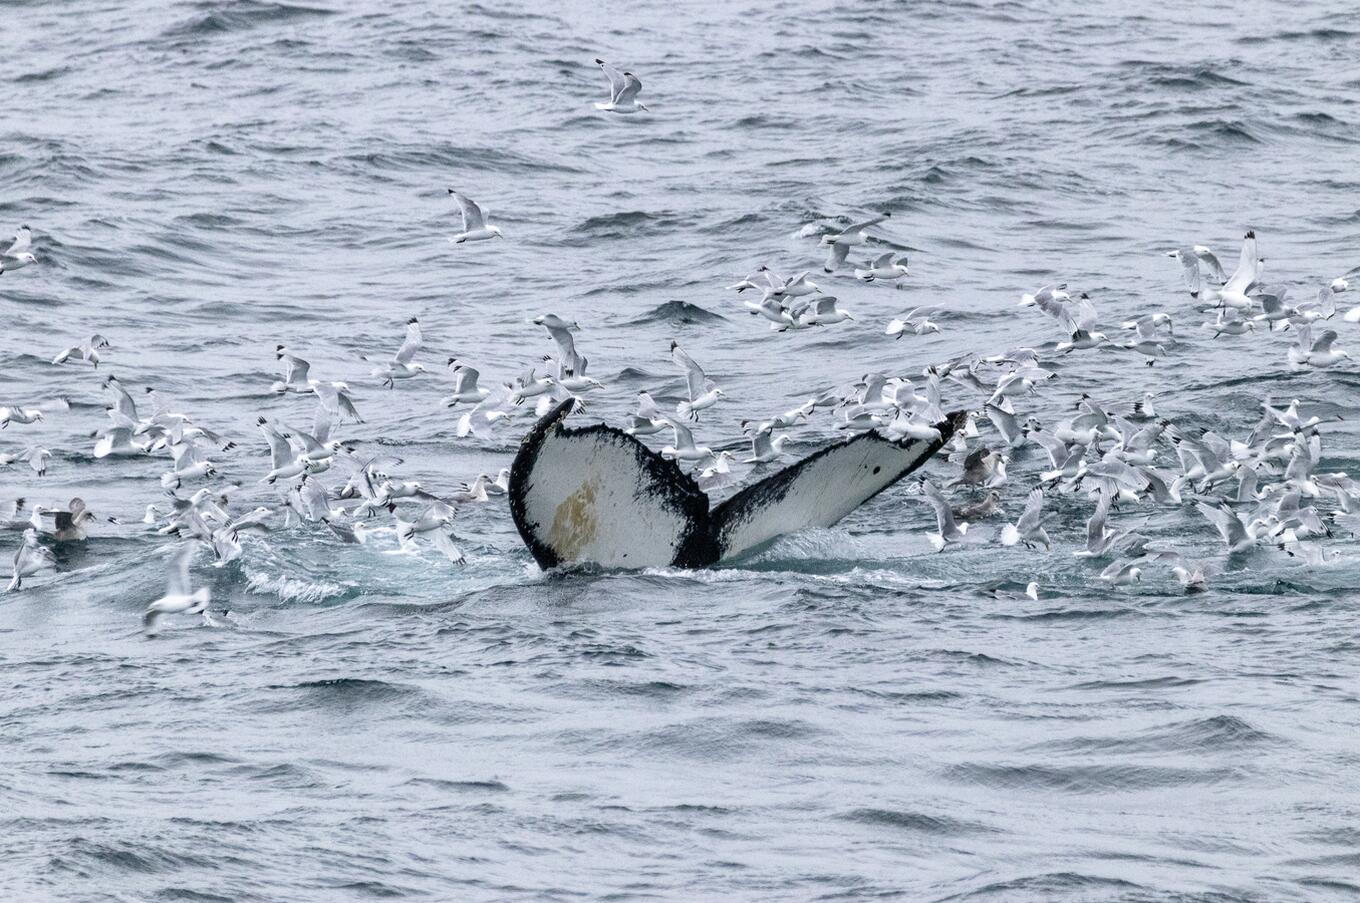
596,495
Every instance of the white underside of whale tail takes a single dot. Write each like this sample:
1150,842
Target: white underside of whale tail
817,491
599,496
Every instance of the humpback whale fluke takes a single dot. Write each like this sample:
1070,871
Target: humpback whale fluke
596,495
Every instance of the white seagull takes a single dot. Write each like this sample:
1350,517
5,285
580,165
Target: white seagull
703,392
17,255
465,389
883,269
841,242
87,351
1029,529
684,448
623,91
179,599
947,530
1234,291
30,558
402,365
475,227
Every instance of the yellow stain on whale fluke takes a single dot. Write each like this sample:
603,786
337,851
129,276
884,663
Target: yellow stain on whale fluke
574,523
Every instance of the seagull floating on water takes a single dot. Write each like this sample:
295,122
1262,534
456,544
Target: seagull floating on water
32,557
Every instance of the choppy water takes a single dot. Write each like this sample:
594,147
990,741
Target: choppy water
849,716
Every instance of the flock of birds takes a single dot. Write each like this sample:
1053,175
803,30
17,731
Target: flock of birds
1264,489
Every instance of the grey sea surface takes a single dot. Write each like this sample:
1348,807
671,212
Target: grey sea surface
847,716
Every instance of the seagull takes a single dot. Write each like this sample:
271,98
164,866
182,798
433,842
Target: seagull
772,309
1238,535
1008,425
623,91
916,321
764,448
17,255
799,286
316,449
1189,268
822,312
37,459
763,280
1323,308
1028,529
1343,282
402,365
435,520
1122,574
1230,322
15,414
285,464
719,474
648,420
1234,291
1192,575
1048,298
465,388
485,415
703,392
88,351
189,465
1210,260
528,385
1031,592
295,377
1143,410
501,485
31,557
1290,417
990,504
1274,310
1148,324
178,598
352,534
336,398
1099,537
1079,319
1319,353
684,448
841,242
474,221
569,361
68,525
1145,338
791,417
946,529
883,269
983,467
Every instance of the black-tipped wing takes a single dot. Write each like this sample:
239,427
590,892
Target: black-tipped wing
819,490
597,495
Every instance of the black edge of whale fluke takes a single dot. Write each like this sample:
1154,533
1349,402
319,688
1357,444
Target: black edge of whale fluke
596,495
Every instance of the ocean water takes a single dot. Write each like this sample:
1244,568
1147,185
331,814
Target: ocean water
848,716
